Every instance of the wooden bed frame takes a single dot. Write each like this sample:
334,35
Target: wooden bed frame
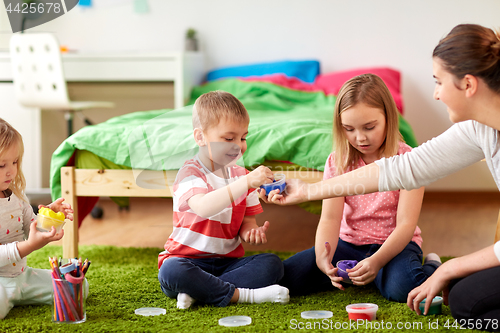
122,183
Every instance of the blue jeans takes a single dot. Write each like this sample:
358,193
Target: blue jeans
213,280
394,281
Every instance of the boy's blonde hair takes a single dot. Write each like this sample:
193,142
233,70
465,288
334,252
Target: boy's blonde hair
210,108
9,137
372,91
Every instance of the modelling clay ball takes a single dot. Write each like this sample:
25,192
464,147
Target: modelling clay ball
278,183
50,213
343,266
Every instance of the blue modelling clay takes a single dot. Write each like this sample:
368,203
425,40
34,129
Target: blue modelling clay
278,183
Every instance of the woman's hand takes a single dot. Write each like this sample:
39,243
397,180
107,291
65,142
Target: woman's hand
429,289
295,192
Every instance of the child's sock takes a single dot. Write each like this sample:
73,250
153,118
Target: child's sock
274,293
432,257
184,301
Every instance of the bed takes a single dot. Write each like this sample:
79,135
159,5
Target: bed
137,155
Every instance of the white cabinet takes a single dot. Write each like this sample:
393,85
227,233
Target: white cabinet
27,122
184,69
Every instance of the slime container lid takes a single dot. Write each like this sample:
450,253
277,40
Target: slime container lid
278,183
316,314
150,311
435,301
234,321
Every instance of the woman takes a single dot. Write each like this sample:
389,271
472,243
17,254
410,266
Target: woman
466,66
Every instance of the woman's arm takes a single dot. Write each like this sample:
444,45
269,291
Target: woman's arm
327,236
451,151
409,205
452,269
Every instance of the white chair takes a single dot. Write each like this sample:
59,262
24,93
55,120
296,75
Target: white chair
38,76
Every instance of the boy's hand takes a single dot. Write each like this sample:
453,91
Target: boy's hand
261,175
59,206
257,235
38,239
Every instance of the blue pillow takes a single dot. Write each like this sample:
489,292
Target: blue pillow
306,70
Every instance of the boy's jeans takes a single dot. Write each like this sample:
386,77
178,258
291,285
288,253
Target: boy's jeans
395,280
213,280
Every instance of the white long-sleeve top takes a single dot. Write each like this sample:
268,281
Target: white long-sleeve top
16,216
461,145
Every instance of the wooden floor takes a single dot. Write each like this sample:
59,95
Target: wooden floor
453,224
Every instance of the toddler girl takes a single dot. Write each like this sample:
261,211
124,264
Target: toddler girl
20,284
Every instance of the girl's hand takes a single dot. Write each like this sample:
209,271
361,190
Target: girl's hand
59,206
38,239
324,263
429,289
364,272
261,175
295,192
257,236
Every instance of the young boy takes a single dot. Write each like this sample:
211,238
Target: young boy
214,205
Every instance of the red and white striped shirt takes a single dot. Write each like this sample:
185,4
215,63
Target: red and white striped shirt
194,236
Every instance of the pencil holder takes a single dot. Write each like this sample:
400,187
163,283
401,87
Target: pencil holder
68,299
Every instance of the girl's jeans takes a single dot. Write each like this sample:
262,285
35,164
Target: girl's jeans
213,280
395,280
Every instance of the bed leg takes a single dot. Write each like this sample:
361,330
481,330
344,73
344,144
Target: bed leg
70,239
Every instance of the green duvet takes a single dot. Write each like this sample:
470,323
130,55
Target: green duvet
285,125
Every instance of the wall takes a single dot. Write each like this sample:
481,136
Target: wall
341,34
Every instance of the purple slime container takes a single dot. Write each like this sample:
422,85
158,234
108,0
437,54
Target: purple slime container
344,265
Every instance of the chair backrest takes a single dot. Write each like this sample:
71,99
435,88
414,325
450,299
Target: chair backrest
37,71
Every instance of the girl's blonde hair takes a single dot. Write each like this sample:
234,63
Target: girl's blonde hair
372,91
9,137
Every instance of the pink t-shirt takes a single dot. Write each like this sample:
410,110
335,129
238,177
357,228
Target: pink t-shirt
369,218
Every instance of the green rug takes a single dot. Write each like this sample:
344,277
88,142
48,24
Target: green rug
124,279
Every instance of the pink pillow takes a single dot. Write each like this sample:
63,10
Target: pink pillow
332,82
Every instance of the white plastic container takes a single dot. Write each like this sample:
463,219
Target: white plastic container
45,223
362,311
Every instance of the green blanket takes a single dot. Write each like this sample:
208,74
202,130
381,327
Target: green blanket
285,125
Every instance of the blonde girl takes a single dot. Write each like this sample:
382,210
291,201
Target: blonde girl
20,284
378,230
